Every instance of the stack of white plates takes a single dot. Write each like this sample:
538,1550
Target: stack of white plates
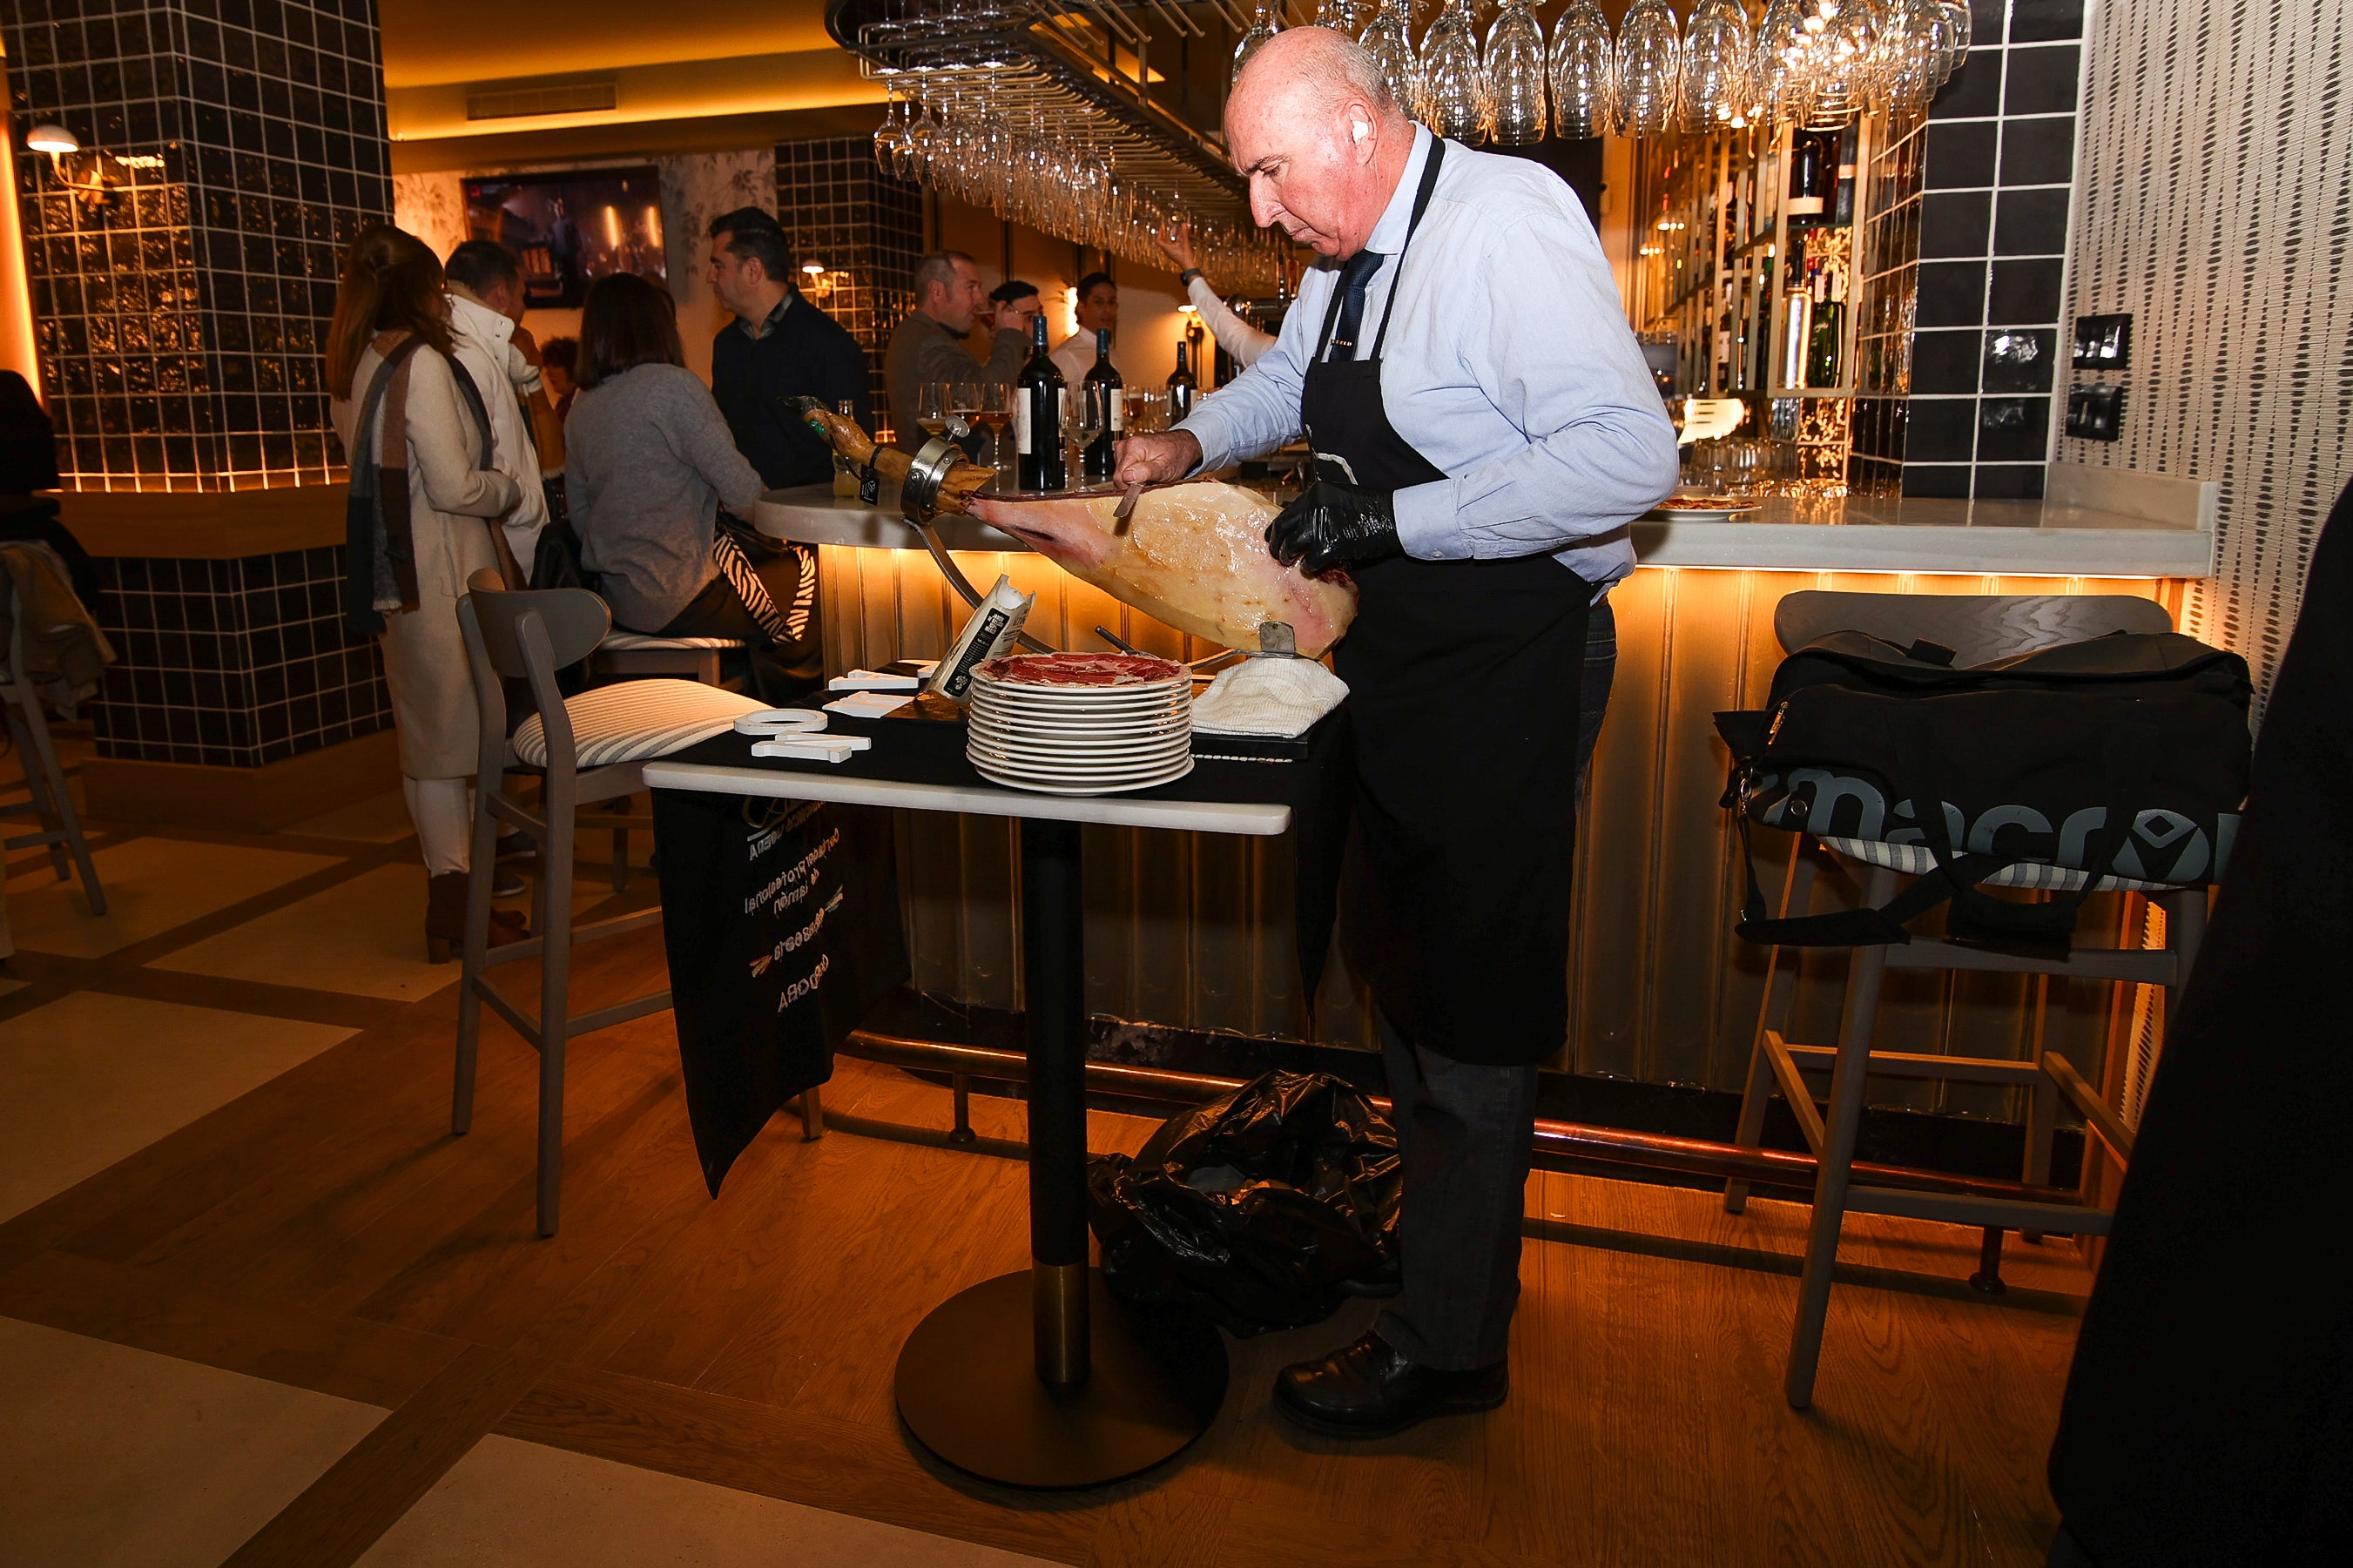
1081,723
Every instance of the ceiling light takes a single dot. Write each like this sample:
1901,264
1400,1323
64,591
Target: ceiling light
48,137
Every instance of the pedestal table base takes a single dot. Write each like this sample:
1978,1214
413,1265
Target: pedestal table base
968,1390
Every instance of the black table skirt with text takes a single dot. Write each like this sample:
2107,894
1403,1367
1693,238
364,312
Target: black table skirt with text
782,917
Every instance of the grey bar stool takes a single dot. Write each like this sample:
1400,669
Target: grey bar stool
585,749
1978,628
51,805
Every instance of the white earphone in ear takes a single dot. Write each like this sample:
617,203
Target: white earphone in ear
1358,130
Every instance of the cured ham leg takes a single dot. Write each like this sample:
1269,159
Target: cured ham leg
1193,555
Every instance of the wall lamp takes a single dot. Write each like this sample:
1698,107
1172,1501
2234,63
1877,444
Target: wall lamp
92,175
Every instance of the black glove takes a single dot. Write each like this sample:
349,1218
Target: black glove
1334,525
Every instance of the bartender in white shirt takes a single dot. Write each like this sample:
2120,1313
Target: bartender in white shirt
486,308
1097,312
1484,430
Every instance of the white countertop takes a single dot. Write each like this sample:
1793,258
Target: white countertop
2096,522
1247,818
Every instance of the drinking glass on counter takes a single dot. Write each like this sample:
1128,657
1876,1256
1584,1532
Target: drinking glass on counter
932,405
1147,411
996,413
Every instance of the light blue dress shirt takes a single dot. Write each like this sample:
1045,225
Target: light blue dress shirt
1509,365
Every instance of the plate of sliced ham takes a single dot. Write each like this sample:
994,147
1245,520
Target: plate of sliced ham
1095,671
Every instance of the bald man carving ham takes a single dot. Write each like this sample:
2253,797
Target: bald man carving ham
1484,430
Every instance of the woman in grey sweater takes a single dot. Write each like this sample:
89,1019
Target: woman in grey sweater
650,472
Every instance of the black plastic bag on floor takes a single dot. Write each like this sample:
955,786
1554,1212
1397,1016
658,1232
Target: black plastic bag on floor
1263,1210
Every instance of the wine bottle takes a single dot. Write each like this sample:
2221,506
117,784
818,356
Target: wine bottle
1106,411
1805,175
1827,329
1038,418
1181,388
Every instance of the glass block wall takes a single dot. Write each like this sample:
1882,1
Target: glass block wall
180,323
866,227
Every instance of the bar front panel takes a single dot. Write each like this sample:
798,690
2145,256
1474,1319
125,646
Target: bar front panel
1195,932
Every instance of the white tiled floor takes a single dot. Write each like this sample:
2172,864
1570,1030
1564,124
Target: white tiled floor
92,1077
510,1504
114,1457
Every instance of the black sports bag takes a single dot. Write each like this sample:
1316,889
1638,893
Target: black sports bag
2123,755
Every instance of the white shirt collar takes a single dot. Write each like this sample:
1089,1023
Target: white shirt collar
1396,218
479,321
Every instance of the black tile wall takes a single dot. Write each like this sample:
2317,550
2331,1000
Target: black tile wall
233,663
866,225
180,326
2001,149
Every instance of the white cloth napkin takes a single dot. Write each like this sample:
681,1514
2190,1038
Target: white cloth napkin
1276,697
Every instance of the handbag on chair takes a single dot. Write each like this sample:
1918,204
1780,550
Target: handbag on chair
2118,761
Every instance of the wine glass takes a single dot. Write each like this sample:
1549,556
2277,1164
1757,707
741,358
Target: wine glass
933,401
1389,41
1650,68
1781,66
1348,17
1516,76
1453,79
1262,27
1716,53
963,409
996,413
1584,73
1844,53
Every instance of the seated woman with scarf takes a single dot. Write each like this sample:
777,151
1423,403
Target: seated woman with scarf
424,517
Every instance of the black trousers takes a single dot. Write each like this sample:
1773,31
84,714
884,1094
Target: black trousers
1463,1132
781,672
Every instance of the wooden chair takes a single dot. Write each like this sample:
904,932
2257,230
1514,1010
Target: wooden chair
51,802
583,749
1979,629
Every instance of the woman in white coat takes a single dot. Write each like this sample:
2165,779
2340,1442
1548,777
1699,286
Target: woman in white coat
425,511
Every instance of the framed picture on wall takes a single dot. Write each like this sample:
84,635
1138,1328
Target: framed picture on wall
571,229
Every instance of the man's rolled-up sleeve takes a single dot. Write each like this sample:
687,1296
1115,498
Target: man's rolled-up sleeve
1552,352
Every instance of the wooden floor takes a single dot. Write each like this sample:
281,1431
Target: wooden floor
325,1231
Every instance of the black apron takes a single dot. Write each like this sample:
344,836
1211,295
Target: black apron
1463,681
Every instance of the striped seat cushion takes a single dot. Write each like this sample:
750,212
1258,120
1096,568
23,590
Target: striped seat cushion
1915,859
635,720
618,641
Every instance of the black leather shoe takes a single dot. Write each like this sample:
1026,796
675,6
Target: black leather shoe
1369,1390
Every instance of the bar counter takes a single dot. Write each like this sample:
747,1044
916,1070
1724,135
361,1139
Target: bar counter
1190,931
2096,522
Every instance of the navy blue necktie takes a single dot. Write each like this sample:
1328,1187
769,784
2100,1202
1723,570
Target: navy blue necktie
1355,275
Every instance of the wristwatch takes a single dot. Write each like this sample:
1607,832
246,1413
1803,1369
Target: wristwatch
1187,277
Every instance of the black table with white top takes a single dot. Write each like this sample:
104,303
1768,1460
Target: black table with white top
1039,1379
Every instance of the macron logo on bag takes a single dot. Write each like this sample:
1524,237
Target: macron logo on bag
2164,846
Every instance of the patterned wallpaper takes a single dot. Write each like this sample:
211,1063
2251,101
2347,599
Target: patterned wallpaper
2217,208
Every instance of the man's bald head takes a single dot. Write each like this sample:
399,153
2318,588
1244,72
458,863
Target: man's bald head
1314,126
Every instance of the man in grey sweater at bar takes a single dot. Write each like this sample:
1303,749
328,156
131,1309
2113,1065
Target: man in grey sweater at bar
929,344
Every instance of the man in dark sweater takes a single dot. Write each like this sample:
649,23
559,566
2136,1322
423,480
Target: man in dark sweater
778,348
